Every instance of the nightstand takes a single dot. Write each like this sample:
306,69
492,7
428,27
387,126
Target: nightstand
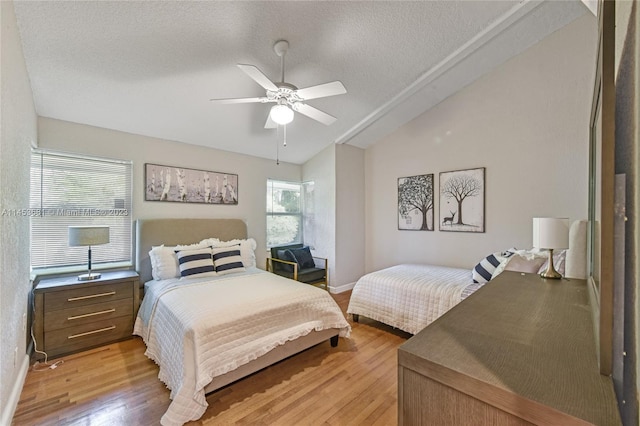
73,315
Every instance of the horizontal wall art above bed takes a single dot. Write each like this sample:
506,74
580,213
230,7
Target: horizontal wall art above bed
462,200
415,203
182,185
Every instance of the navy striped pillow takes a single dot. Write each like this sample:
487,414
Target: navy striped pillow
484,270
227,260
196,263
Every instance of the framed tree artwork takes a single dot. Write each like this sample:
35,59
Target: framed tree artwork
462,200
415,203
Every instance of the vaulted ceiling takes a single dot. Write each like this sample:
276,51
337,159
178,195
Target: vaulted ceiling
150,67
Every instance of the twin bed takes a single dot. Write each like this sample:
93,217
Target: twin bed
208,330
410,297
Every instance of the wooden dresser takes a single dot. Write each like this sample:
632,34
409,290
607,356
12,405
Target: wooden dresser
519,351
72,315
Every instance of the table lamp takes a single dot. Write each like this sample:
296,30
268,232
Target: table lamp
88,236
550,233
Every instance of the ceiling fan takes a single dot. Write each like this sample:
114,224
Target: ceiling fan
287,97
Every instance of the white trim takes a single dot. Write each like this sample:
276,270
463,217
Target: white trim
501,24
342,288
14,396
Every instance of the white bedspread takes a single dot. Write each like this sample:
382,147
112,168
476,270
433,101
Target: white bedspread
409,297
199,329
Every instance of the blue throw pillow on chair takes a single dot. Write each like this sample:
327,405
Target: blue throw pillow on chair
284,255
303,257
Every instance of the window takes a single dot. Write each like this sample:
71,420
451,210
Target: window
71,190
284,213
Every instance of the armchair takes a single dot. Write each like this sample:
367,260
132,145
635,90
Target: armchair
295,261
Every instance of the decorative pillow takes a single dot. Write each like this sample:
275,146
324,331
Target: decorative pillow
210,242
164,263
164,260
227,260
285,255
519,263
558,262
484,270
196,263
303,257
247,248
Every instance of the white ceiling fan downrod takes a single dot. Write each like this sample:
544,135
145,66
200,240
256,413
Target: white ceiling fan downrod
281,47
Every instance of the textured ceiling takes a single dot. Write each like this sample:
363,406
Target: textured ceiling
150,67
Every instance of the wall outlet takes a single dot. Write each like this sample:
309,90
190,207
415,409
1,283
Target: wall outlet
15,357
24,323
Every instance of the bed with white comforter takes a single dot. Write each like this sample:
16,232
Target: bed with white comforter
410,297
197,329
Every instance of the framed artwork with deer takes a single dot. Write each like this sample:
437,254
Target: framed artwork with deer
415,203
462,200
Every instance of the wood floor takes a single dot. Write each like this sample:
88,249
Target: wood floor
351,384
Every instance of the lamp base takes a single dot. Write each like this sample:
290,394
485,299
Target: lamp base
551,272
88,277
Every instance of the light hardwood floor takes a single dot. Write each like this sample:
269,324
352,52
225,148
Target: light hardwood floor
354,383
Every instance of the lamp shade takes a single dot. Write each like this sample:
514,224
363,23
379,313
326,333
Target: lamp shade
550,233
281,114
88,235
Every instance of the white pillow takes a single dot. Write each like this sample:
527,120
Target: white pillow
210,242
164,260
247,248
227,260
164,263
196,263
522,261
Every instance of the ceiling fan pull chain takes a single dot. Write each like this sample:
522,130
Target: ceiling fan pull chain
277,145
284,135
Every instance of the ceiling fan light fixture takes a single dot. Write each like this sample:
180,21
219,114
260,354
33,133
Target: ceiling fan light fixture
281,114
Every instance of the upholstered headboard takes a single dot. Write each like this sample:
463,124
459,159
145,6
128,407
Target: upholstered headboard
155,232
576,260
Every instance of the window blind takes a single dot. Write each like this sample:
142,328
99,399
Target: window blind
72,190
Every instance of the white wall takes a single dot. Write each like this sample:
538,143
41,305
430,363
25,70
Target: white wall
252,172
526,122
18,131
321,169
350,214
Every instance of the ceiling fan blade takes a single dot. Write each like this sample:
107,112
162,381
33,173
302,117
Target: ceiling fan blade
239,100
258,77
314,113
322,90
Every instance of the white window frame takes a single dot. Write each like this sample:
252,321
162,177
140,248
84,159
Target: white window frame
299,214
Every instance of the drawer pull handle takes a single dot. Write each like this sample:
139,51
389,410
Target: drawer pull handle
108,311
91,296
73,336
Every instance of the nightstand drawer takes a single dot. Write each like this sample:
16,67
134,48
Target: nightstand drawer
87,295
88,335
104,311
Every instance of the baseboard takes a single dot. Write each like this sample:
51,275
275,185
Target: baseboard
342,288
10,409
